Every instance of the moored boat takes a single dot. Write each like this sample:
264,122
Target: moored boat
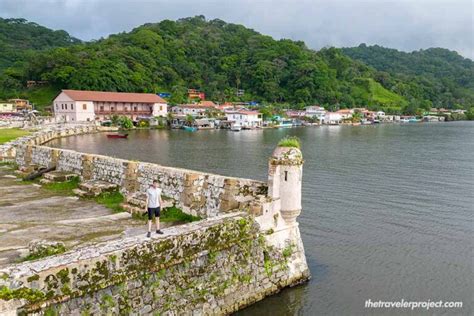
236,127
285,124
117,135
190,128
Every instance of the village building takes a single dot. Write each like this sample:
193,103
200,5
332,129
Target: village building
196,94
332,118
380,114
81,106
346,113
21,104
296,114
245,118
7,107
315,111
192,109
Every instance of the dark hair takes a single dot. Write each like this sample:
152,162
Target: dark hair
155,181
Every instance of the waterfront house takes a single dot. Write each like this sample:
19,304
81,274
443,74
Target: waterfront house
380,114
315,111
245,118
295,114
345,113
192,109
332,118
205,123
80,106
7,107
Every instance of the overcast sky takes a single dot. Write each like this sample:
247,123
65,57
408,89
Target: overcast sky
402,24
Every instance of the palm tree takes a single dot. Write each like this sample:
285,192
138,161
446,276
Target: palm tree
356,117
189,120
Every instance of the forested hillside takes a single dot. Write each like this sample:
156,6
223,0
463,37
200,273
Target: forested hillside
18,37
219,58
440,75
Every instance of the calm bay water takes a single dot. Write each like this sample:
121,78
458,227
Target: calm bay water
387,210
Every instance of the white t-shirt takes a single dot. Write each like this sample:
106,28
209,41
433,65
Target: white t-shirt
153,196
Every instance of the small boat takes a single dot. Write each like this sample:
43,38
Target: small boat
285,124
117,135
236,127
413,120
190,128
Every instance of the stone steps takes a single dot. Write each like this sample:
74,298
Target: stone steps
59,176
93,188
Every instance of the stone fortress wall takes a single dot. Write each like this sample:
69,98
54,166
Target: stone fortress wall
247,246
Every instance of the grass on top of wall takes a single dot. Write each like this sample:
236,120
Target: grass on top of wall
63,188
8,134
290,141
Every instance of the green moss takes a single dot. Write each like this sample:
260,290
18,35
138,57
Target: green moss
46,251
66,290
31,295
63,276
269,231
33,278
212,257
113,258
107,302
290,141
4,276
288,251
245,278
51,311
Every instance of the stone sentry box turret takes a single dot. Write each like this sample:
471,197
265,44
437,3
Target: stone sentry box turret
285,172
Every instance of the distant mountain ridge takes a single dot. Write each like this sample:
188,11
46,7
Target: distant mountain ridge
18,36
220,58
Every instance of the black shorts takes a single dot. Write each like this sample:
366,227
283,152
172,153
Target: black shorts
152,210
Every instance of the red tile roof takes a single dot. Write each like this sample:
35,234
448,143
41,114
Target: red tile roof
349,111
207,103
102,96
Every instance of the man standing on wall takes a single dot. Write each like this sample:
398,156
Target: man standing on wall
153,204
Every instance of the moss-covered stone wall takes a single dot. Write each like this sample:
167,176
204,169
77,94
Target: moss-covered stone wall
210,267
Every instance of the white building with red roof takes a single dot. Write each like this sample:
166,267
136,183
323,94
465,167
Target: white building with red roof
80,106
245,118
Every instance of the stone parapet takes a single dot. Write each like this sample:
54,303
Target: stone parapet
216,266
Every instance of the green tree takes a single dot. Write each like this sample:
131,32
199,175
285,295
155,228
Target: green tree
125,122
